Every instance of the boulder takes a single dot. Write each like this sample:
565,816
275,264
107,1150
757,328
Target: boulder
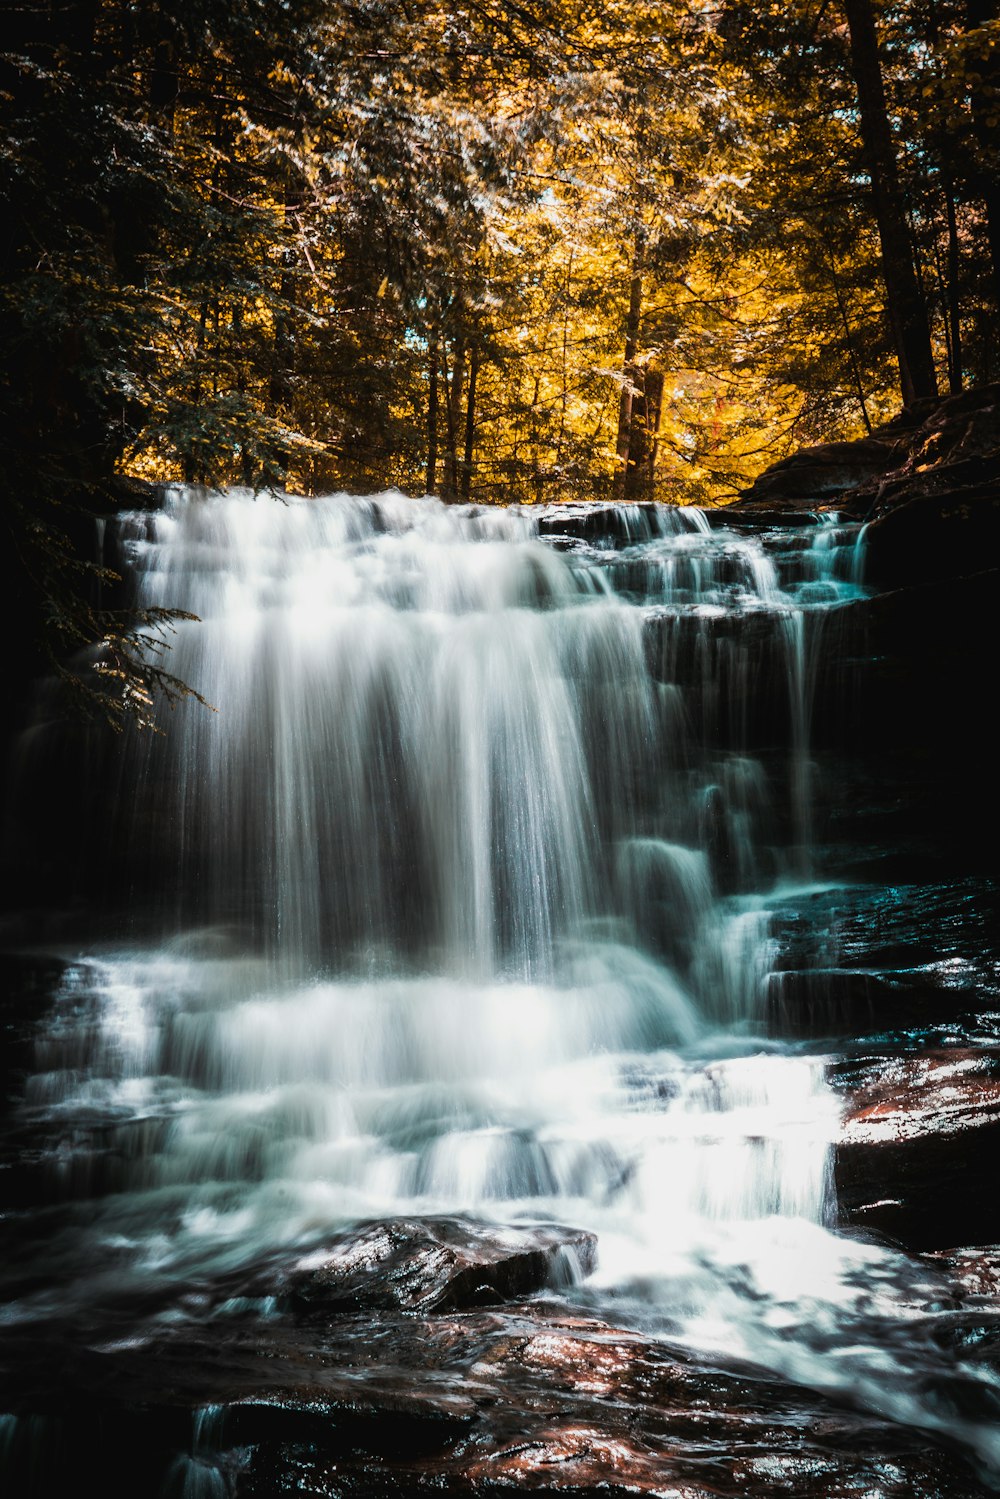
438,1263
941,457
957,444
820,474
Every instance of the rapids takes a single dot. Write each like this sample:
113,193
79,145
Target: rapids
459,902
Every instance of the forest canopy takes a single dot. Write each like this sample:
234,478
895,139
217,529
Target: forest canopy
498,252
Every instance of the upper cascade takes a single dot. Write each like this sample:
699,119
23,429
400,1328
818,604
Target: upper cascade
437,724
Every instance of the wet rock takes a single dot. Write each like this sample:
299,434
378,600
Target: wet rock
26,982
900,957
601,525
968,1323
818,1002
920,1137
974,1271
523,1397
943,935
758,518
439,1263
735,671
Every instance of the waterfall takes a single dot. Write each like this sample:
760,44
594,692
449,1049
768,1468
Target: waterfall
434,733
460,887
460,902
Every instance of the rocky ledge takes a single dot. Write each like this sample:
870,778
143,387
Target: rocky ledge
920,1141
928,482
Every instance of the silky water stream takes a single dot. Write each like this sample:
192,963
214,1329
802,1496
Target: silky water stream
461,905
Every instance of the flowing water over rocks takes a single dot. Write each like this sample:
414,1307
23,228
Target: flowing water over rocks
493,940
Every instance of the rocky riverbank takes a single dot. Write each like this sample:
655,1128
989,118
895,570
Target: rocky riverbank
445,1387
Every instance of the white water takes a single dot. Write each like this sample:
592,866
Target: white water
468,913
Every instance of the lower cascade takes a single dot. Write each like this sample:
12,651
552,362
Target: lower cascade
460,899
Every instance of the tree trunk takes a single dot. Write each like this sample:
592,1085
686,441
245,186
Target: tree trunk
453,382
77,22
644,434
952,295
279,382
191,471
629,374
163,79
852,356
564,388
470,424
536,465
654,412
904,302
432,414
985,116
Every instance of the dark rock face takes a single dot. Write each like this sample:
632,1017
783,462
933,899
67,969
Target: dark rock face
885,960
912,724
928,537
738,670
817,1002
919,1144
439,1263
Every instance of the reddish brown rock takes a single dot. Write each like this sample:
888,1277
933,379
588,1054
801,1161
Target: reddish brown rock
920,1138
973,1271
495,1401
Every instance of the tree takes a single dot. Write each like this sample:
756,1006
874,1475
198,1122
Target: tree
907,312
138,286
503,253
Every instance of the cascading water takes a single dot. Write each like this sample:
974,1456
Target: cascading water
461,905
